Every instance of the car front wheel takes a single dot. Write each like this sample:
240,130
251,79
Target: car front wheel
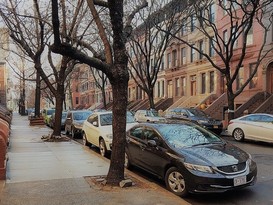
238,134
127,164
175,182
103,149
85,141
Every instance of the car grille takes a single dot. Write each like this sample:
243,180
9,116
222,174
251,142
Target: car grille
232,169
214,122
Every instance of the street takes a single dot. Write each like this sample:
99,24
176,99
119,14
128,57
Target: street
260,193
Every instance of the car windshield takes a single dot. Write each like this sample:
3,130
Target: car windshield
186,135
50,112
81,115
106,119
64,115
196,112
152,113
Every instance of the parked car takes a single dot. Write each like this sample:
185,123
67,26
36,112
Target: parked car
188,158
148,116
198,116
30,113
46,113
97,130
74,121
52,120
258,126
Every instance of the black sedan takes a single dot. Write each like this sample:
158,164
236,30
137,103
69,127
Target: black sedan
189,158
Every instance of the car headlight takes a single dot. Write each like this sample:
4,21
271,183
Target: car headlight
199,168
202,121
109,136
249,160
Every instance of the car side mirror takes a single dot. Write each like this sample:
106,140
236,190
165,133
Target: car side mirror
184,115
95,123
152,143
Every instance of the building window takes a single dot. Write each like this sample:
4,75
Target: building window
211,47
240,78
177,86
174,58
253,82
249,38
183,82
212,13
203,80
225,39
162,64
192,54
234,37
77,100
211,81
193,23
183,28
183,56
168,60
158,89
201,48
163,89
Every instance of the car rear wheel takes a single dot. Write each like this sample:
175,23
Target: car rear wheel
175,182
238,134
85,141
103,149
127,164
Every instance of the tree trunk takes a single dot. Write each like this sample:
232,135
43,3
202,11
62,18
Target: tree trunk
116,170
231,107
151,99
58,115
37,94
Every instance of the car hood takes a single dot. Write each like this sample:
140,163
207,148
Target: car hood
156,118
214,154
79,122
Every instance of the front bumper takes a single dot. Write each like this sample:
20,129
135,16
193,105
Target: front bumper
218,182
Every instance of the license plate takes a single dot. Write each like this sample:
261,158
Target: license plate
215,126
239,180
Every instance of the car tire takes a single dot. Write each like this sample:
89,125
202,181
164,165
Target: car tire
73,134
127,163
102,147
175,182
85,141
66,131
238,134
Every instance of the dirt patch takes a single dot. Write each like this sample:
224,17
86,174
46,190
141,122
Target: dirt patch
99,183
51,138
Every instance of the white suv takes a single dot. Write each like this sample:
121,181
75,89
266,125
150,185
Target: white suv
148,116
97,130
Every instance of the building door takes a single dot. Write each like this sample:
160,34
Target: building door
170,89
270,78
193,85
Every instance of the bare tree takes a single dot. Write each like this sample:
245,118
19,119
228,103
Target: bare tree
241,16
114,67
147,44
31,32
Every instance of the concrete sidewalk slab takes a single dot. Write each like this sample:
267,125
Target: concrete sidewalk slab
49,173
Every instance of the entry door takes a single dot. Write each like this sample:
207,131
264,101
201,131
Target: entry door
193,88
270,78
170,89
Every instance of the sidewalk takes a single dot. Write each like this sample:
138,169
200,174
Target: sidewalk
51,173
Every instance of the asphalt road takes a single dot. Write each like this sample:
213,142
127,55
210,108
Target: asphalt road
261,193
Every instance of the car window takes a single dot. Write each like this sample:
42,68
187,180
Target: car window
106,119
137,133
186,135
78,116
266,118
50,112
196,112
254,118
93,118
